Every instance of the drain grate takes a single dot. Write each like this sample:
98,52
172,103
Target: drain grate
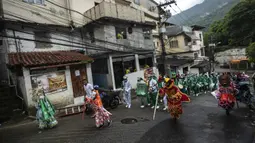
129,121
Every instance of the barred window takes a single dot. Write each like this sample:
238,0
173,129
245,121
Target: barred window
174,44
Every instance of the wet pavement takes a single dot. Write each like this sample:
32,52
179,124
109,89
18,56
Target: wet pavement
202,122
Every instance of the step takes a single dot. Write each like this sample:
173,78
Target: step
70,110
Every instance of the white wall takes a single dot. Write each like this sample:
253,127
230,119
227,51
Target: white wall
30,46
200,43
232,54
194,70
59,99
180,68
47,14
132,77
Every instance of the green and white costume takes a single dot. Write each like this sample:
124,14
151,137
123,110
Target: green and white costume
45,110
142,92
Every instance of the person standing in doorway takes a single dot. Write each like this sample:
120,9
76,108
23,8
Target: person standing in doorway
88,88
126,92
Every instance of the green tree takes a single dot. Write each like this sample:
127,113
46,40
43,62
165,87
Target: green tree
237,27
250,52
240,22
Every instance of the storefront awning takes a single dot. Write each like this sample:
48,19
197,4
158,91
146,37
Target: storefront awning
237,61
37,59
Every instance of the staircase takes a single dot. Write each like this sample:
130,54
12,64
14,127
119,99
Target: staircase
9,103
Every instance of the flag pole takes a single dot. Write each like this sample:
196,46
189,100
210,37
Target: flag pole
155,107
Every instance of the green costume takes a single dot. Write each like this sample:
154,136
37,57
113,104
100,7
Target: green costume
45,110
142,91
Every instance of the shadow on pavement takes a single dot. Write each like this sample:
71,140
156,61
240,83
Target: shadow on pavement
166,131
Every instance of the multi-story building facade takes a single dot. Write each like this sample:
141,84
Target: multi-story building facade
52,41
184,47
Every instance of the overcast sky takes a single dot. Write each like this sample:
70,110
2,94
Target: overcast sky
183,4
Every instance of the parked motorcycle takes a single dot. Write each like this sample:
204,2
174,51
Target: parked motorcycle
109,98
244,94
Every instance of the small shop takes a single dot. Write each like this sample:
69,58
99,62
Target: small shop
61,74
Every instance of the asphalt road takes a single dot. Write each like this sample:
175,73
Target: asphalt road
202,122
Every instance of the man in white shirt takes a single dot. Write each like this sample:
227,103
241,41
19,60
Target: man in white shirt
88,89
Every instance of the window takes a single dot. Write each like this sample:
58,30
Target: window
195,55
200,36
137,2
42,36
121,33
147,33
96,3
174,44
41,2
187,40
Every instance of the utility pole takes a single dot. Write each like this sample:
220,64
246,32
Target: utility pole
161,35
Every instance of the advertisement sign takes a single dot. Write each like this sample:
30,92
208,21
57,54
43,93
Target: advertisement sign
51,82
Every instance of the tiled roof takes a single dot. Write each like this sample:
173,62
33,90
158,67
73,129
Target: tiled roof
29,59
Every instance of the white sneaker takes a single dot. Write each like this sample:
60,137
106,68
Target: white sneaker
142,106
126,106
149,105
157,107
129,106
165,108
152,107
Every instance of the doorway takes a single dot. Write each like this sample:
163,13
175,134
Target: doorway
118,73
78,74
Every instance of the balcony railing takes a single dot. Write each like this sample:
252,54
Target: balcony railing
116,11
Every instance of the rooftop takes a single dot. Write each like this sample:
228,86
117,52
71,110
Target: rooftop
32,59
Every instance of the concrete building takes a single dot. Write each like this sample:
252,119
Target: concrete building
184,47
54,40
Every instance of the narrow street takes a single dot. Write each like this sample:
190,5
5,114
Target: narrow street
202,122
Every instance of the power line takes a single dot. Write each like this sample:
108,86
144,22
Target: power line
100,23
184,13
83,44
180,16
135,48
85,37
73,11
26,39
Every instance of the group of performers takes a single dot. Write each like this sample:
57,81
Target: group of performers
149,91
193,84
164,88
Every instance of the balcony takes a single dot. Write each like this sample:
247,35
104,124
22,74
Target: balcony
115,11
